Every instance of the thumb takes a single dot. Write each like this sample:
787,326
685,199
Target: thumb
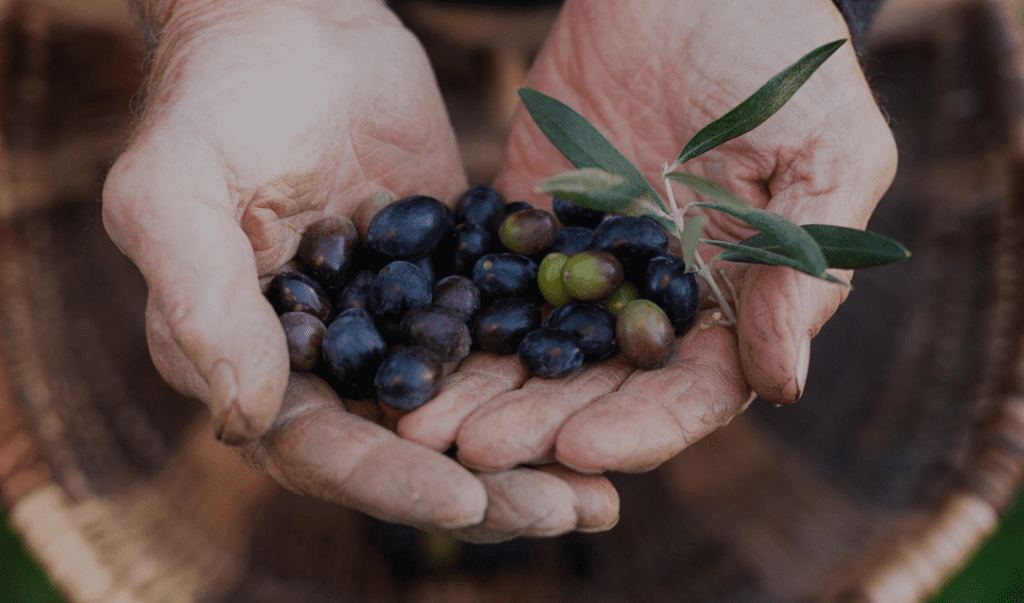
175,221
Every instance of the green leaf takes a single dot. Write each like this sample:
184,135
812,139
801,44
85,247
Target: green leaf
759,106
709,189
591,187
846,248
793,242
756,255
580,141
691,236
643,206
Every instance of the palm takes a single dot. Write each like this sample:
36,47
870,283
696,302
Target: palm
648,75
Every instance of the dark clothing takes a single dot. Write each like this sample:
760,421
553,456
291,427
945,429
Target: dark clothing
859,15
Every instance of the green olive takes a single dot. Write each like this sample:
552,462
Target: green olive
528,232
622,296
592,275
645,334
549,279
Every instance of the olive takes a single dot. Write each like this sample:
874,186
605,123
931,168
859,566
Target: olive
591,275
292,291
399,287
506,210
645,335
410,227
408,378
460,250
505,275
438,329
675,290
368,209
478,206
326,250
354,349
622,296
591,324
426,264
304,333
571,240
356,293
500,327
570,214
632,239
458,294
550,353
528,232
549,279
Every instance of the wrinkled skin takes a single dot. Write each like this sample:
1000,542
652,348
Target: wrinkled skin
649,74
260,120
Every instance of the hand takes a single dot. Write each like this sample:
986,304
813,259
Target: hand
261,118
649,74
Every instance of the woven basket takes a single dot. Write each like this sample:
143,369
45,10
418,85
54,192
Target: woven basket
874,488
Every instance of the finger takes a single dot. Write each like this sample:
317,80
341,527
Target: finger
173,218
597,508
317,448
479,378
520,426
655,414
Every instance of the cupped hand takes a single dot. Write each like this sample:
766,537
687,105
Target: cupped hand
649,74
261,118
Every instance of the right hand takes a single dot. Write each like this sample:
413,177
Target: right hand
262,117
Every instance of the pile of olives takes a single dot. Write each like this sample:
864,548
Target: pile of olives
379,303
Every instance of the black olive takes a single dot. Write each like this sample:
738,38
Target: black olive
632,239
500,327
478,206
356,293
570,214
499,275
460,250
550,353
292,291
399,287
571,240
408,378
592,325
326,251
458,294
305,334
409,228
437,329
675,290
354,349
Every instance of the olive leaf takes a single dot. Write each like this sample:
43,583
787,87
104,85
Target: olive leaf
759,106
581,143
691,236
757,255
591,187
709,189
643,206
794,243
846,248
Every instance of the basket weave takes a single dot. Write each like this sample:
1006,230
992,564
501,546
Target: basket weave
908,445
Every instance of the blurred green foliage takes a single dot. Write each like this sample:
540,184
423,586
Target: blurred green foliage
995,575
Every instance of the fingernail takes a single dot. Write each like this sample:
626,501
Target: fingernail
803,362
228,423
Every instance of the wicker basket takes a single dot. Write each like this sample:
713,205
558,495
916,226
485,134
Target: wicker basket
898,462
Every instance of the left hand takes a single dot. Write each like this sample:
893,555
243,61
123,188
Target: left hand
649,74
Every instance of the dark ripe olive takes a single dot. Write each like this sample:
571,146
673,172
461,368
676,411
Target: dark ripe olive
570,214
549,279
354,349
501,326
368,209
571,240
426,264
506,210
291,291
592,325
634,240
437,329
408,378
478,206
326,250
505,275
410,227
645,335
356,293
305,334
460,250
458,294
528,232
550,353
399,287
592,275
676,291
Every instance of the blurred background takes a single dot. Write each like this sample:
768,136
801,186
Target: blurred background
888,437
